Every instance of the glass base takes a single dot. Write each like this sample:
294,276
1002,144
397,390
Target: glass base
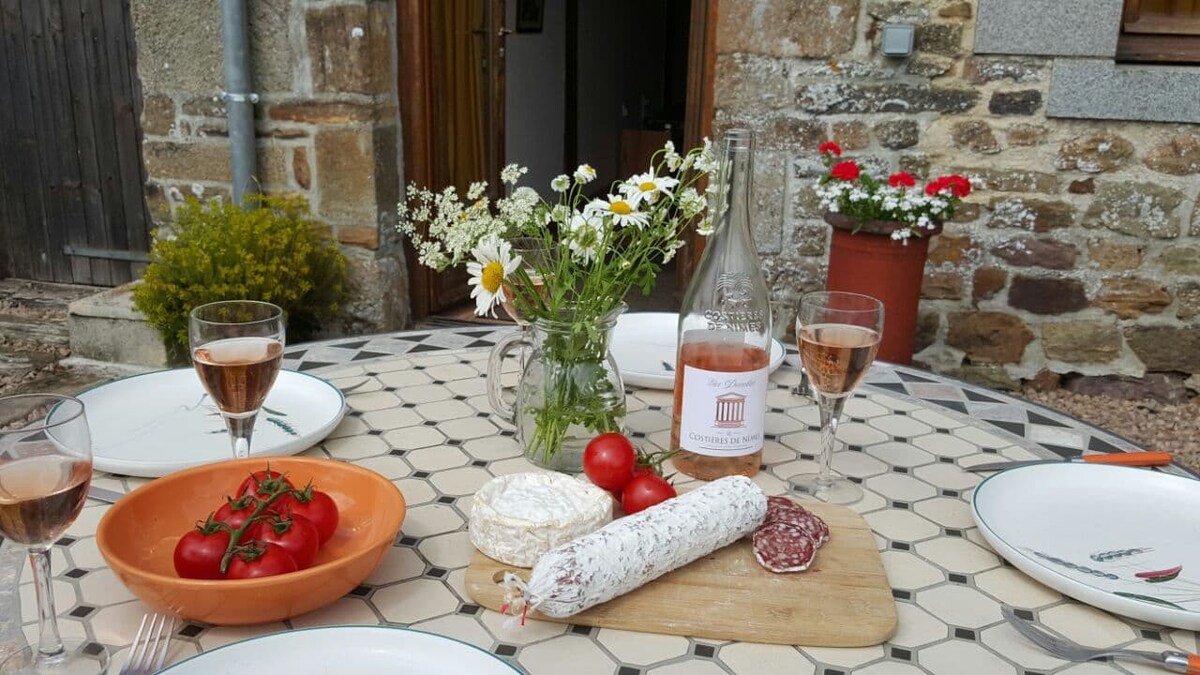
77,658
832,490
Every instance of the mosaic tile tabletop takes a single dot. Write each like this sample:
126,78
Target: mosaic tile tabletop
420,416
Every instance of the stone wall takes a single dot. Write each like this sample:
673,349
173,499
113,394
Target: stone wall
1080,255
326,123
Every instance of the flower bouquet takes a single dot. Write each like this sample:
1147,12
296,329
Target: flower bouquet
898,206
582,257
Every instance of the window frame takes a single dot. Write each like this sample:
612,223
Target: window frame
1155,38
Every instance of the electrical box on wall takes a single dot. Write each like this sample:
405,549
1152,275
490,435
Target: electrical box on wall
898,39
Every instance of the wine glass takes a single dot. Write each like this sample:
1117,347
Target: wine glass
45,470
237,348
838,336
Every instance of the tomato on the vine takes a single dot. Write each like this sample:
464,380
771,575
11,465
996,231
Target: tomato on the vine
609,460
263,483
315,506
645,491
235,512
262,560
198,553
296,535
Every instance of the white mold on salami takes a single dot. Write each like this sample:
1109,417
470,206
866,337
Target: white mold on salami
636,549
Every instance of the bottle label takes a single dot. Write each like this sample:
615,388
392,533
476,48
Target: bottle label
722,413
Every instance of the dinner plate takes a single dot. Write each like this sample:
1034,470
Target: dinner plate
1118,538
363,650
644,346
153,424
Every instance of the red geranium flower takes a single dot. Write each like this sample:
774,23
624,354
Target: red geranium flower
959,185
847,170
830,148
902,179
935,186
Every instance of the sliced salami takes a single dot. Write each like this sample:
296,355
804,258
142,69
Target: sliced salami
784,510
782,547
815,527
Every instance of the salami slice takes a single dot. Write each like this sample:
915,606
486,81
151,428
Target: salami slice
781,547
814,527
784,510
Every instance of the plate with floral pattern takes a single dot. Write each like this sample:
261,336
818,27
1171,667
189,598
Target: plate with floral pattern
1119,538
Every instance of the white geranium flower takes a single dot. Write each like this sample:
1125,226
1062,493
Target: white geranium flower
585,174
585,236
647,187
622,210
560,183
493,263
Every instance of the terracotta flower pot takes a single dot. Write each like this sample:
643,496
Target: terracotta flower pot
870,262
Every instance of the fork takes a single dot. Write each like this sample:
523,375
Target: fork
1179,662
146,656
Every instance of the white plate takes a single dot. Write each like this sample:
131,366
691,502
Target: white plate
363,650
1107,536
151,425
644,345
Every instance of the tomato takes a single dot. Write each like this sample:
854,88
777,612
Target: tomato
265,560
645,491
608,461
235,512
263,483
198,553
315,506
296,535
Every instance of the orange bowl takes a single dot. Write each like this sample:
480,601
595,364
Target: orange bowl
137,537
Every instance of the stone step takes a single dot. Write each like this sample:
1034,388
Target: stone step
107,327
36,312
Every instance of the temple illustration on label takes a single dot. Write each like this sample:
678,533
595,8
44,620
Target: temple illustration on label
731,411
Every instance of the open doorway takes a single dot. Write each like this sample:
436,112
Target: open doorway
548,84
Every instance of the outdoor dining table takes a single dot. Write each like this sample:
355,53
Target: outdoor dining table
418,413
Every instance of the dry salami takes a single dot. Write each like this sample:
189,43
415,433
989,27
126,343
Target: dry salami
784,510
782,547
631,551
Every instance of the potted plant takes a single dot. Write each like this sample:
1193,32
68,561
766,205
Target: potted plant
880,240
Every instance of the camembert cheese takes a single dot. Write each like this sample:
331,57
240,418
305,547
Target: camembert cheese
517,518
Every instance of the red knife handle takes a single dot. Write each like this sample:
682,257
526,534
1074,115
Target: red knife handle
1130,458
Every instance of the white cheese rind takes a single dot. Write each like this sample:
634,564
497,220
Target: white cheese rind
517,518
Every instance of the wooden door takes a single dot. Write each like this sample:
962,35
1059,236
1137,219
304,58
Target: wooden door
71,174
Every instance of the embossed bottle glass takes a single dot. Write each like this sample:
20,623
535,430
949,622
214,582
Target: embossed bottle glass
724,336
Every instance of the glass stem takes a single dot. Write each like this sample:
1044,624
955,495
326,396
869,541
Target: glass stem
241,428
49,642
831,412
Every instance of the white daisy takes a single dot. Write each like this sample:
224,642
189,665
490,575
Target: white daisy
586,236
585,174
560,183
493,263
647,187
622,210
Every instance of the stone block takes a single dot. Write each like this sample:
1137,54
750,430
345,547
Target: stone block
899,11
967,212
202,161
325,113
1038,215
827,98
158,115
350,48
1044,380
929,322
1081,341
1113,257
272,59
928,65
363,236
959,9
205,106
1085,186
976,136
301,169
1023,134
989,337
1181,260
990,375
747,84
805,202
1032,252
1187,300
898,134
1166,348
851,135
942,286
770,194
345,165
1095,153
1013,180
1048,27
1136,209
1130,298
981,70
946,249
379,294
795,134
1179,156
1166,388
918,166
1104,89
1015,102
986,282
107,327
1046,295
788,29
944,39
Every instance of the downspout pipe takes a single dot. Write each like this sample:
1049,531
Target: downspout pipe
239,100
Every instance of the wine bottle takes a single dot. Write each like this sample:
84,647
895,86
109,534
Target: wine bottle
724,336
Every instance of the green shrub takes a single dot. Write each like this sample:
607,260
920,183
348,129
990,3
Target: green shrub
270,251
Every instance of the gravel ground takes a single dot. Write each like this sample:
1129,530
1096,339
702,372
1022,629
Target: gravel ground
1153,425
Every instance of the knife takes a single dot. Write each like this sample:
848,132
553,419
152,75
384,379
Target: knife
1118,458
103,495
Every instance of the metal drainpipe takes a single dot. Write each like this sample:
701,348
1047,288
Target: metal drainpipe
239,100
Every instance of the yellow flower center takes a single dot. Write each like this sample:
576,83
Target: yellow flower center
492,276
648,186
621,208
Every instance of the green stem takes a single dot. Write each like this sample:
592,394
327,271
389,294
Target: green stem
236,535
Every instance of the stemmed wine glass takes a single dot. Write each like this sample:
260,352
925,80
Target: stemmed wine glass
535,258
838,335
237,348
45,470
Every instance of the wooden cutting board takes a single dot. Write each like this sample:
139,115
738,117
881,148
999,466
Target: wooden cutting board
843,600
